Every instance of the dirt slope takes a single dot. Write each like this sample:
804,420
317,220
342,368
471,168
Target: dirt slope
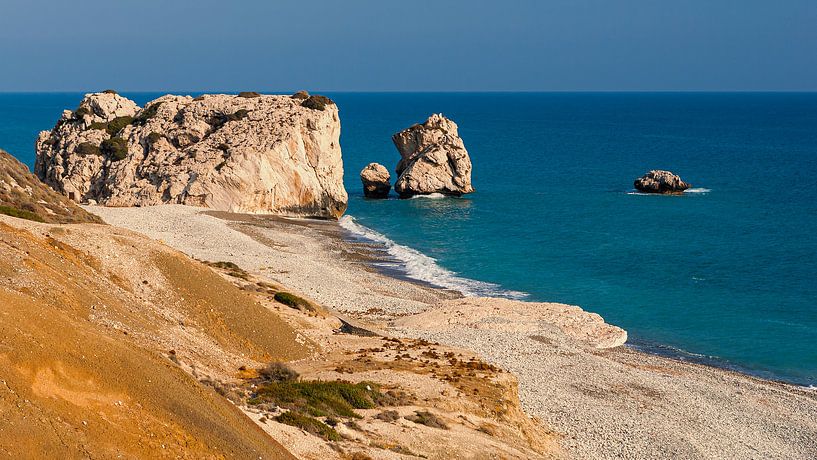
96,350
23,195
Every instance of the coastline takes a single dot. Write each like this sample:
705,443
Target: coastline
605,402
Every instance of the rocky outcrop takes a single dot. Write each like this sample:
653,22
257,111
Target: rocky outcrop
658,181
23,195
434,159
248,153
376,181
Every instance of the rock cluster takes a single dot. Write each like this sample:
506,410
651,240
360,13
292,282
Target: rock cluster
433,159
248,153
376,181
658,181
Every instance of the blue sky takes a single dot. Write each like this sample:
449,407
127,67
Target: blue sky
362,45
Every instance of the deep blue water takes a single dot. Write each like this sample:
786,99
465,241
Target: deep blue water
729,274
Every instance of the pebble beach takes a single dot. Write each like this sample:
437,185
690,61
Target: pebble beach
603,399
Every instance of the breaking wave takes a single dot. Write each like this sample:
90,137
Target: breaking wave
417,266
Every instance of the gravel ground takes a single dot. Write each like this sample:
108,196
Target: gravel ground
613,403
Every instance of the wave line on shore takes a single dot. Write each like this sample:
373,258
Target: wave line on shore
418,266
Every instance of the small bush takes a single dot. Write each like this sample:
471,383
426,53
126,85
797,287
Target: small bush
317,102
300,95
20,214
114,148
117,124
426,418
238,115
114,126
154,138
146,114
293,301
248,94
388,416
87,148
309,424
81,112
109,91
225,265
278,372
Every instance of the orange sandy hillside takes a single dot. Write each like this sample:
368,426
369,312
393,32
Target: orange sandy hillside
88,318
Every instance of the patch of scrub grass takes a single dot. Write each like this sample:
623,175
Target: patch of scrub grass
114,126
115,148
87,148
309,424
146,114
426,418
231,268
20,213
293,301
319,398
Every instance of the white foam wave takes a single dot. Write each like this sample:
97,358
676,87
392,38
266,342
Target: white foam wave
697,190
432,196
421,267
812,387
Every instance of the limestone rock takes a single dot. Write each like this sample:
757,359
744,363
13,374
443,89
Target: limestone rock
434,159
555,321
658,181
261,154
376,181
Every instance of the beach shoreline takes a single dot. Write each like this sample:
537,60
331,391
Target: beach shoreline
606,402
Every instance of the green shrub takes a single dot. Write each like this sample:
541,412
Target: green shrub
81,112
291,300
109,91
88,148
114,126
317,102
318,398
248,94
20,214
154,138
309,424
146,114
300,95
114,148
238,115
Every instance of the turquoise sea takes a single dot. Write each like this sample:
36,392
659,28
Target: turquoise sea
725,275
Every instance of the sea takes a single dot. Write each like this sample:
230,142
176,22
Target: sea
725,274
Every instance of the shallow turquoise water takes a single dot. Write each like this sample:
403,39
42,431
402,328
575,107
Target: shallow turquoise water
727,276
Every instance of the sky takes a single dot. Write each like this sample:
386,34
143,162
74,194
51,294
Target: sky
383,45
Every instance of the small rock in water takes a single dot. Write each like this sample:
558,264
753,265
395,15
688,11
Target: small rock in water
659,181
376,181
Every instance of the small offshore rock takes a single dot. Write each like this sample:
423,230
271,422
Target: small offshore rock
433,159
660,181
376,181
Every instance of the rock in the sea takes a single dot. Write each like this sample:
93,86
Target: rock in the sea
658,181
434,159
259,154
376,181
